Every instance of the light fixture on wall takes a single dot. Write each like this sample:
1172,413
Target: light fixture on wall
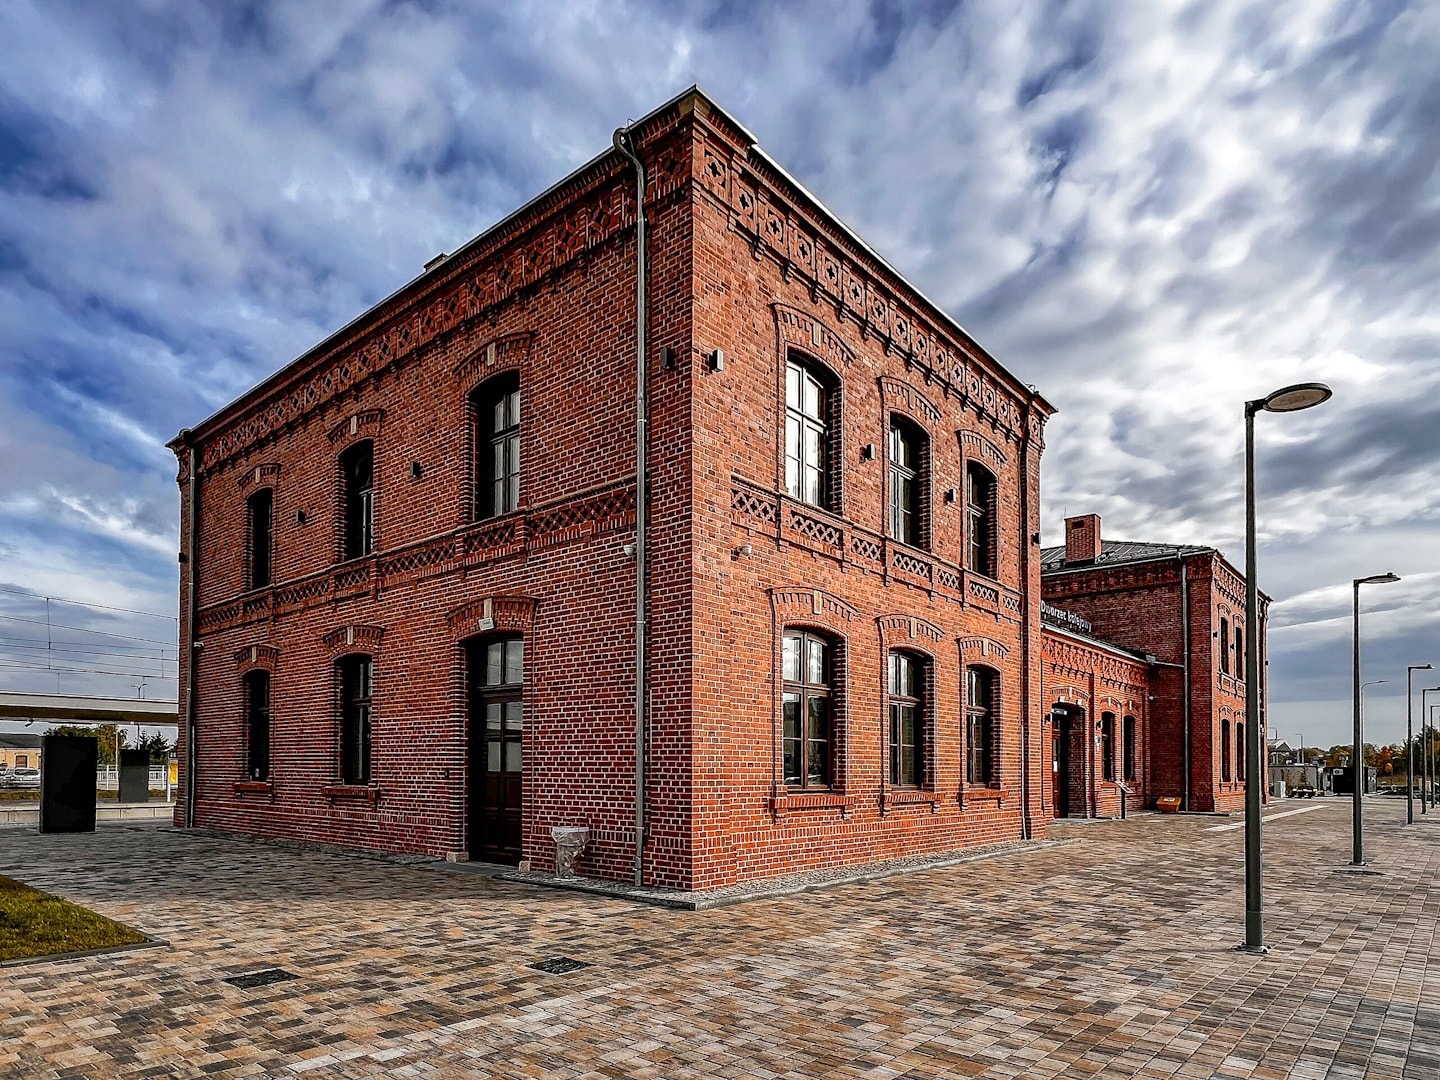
416,470
717,360
299,517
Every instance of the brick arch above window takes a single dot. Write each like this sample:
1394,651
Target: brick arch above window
799,330
909,632
797,605
356,638
1067,694
976,651
492,615
1119,706
975,447
257,658
356,427
509,352
899,396
259,476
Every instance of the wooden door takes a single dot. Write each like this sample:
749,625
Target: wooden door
497,733
1060,763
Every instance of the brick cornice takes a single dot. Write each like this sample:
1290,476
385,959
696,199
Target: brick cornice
800,604
257,657
356,638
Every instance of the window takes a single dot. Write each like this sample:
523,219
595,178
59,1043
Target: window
357,466
980,519
257,723
907,720
1240,667
1107,746
260,512
497,411
809,423
980,726
1130,748
356,676
1239,751
806,669
1225,645
1224,749
22,761
907,478
501,689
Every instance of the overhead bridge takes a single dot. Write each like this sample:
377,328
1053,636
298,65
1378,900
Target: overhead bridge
81,708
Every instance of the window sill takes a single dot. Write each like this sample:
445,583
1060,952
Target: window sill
254,787
356,792
982,794
812,800
910,797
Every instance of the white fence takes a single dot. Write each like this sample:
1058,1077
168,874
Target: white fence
107,779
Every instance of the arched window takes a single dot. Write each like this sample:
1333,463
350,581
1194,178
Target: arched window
257,725
1224,749
807,672
909,506
908,721
1240,651
980,726
357,470
260,531
980,519
1239,751
1107,745
1225,645
812,421
356,675
497,445
1130,748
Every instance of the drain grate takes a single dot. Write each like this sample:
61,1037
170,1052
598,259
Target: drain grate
261,978
559,965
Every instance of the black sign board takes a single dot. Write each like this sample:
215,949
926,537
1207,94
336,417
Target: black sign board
67,783
134,776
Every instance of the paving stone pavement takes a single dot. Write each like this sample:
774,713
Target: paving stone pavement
1110,956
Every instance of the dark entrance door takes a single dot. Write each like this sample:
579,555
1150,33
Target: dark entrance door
497,729
1060,762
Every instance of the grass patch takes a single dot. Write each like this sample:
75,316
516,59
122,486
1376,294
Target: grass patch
33,923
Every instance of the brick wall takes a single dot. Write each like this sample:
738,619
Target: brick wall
740,261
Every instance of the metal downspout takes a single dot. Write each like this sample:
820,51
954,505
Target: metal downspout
1026,630
624,144
192,530
1185,699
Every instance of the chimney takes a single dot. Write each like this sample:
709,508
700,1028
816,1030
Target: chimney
1082,538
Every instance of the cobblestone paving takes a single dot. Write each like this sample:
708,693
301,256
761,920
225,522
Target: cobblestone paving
1109,956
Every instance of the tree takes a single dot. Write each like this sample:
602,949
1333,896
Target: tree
157,746
103,733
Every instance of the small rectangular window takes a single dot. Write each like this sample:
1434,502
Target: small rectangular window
356,676
257,718
260,509
1129,748
358,468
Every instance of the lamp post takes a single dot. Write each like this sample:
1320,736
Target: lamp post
1287,399
1427,767
1357,760
1410,738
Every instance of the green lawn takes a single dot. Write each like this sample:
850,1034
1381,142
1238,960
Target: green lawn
33,923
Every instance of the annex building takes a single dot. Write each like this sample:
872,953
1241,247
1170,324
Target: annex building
411,558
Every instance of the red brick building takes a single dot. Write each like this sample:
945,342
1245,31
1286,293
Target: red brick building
1182,607
411,556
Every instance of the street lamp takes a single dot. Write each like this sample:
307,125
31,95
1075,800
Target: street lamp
1286,399
1357,760
1427,768
1410,738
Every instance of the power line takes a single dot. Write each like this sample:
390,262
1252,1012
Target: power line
87,671
81,603
85,630
138,652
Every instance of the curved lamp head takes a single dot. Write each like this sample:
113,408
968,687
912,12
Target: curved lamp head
1294,398
1377,579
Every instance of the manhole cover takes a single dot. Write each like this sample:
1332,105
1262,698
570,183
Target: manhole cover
559,965
261,978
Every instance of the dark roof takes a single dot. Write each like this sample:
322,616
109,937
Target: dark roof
14,741
1118,552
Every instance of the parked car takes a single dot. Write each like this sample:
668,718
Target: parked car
24,778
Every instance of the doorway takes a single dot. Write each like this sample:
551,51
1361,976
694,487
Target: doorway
495,671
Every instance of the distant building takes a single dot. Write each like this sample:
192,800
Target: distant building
19,751
1183,607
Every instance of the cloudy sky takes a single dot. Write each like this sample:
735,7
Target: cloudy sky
1152,211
